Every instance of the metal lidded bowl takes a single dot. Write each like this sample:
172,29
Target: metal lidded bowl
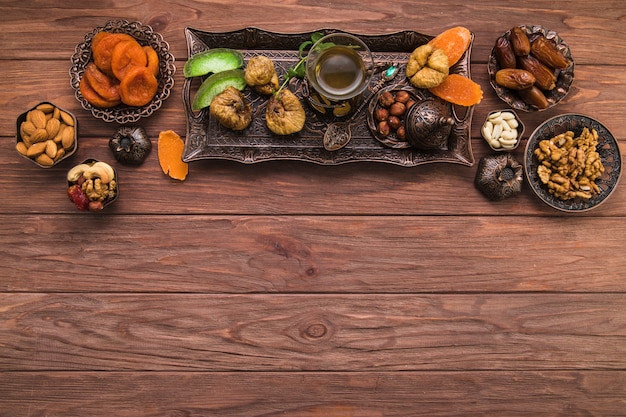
70,121
607,149
564,77
145,36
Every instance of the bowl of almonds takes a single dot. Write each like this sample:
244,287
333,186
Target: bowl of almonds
46,134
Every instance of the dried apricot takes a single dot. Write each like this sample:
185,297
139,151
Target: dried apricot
454,42
106,86
170,149
87,91
138,86
153,59
458,89
102,49
125,55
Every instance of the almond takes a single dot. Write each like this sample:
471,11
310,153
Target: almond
66,118
45,107
60,154
21,148
28,127
36,150
67,137
44,160
52,127
38,118
51,148
40,135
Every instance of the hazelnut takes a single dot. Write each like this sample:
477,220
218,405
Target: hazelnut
383,128
410,104
401,133
381,114
403,96
397,109
386,99
394,122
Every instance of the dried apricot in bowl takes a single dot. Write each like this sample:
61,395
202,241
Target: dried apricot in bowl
170,151
457,89
454,42
138,86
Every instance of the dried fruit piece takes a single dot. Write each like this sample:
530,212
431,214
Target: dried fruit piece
515,79
138,87
454,42
153,59
217,83
126,55
87,91
519,41
535,97
544,76
102,48
504,53
427,66
458,89
285,114
231,109
546,52
104,85
170,149
78,197
212,61
261,75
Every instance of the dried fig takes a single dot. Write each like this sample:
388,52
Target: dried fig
427,66
261,75
231,109
285,114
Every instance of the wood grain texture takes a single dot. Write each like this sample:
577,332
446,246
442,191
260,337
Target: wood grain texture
302,254
272,394
291,289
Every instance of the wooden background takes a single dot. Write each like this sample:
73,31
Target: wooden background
291,289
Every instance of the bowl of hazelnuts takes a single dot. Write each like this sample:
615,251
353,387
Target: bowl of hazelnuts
387,112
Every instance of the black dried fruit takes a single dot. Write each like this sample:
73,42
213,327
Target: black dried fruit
130,145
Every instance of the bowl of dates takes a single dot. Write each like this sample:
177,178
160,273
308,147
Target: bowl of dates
46,134
122,71
531,68
572,162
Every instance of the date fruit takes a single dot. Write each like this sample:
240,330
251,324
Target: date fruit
515,79
544,76
504,53
519,41
535,97
546,52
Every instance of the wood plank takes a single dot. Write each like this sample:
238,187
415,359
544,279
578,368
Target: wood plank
215,254
366,332
363,394
26,30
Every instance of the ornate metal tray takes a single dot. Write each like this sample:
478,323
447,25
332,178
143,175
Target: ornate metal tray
206,139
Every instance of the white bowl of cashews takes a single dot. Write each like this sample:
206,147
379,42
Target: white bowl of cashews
502,130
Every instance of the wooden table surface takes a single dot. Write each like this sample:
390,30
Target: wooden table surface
287,288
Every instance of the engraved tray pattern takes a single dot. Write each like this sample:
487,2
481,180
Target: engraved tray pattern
206,139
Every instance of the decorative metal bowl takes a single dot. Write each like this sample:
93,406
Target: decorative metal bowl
108,200
145,36
563,81
67,152
607,148
520,131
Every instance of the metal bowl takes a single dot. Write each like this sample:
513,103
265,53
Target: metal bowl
607,148
68,119
145,36
564,77
108,200
520,131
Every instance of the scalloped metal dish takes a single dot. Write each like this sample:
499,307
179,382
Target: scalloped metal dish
145,35
206,139
608,149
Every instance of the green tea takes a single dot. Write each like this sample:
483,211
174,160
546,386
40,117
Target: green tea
339,71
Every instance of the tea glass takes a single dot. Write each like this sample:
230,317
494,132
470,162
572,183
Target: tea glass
339,69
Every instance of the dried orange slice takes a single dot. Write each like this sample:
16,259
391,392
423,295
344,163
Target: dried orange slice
458,89
170,149
454,42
